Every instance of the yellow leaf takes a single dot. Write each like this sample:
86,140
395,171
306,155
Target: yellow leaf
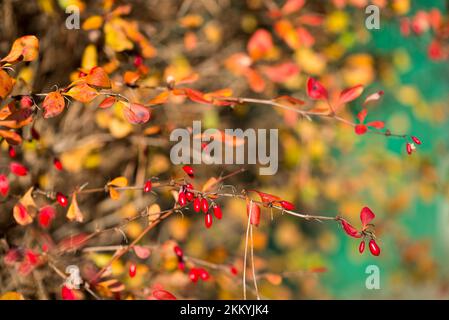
115,37
11,295
114,194
153,212
6,84
118,182
74,213
82,92
90,57
92,23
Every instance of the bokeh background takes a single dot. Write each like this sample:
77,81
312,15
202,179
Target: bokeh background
325,168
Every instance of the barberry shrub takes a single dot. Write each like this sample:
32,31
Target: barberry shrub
91,203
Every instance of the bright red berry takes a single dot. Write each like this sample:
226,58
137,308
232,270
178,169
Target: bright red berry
181,265
62,199
178,251
188,170
46,215
4,185
189,196
182,199
148,186
416,140
67,294
138,61
132,270
204,205
362,246
188,186
197,205
233,270
217,211
58,164
208,220
409,148
374,248
193,275
12,152
287,205
18,169
204,275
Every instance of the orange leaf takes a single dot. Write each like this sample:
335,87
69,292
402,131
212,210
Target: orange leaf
25,48
350,94
97,77
196,96
6,84
53,104
131,77
160,98
10,136
259,44
280,72
92,23
118,182
82,93
107,103
255,81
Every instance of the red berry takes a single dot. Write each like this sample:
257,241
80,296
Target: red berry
46,215
12,152
374,248
62,199
188,186
181,265
233,270
204,275
189,196
4,185
287,205
193,275
18,169
138,61
409,148
217,211
197,205
204,205
208,220
132,270
148,186
57,163
362,246
182,199
178,251
416,140
188,170
67,294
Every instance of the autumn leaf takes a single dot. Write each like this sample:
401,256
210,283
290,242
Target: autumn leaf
253,212
316,90
136,113
116,183
107,103
10,136
53,104
280,72
131,77
11,295
142,252
6,84
92,23
25,208
255,80
25,48
259,44
74,213
350,94
97,77
82,93
160,98
373,97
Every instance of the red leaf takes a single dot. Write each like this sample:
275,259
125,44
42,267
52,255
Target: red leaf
259,44
136,113
376,124
280,72
350,94
163,295
360,129
73,242
196,96
362,115
4,185
366,215
349,229
266,197
315,89
107,103
292,6
373,97
98,77
253,211
254,79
